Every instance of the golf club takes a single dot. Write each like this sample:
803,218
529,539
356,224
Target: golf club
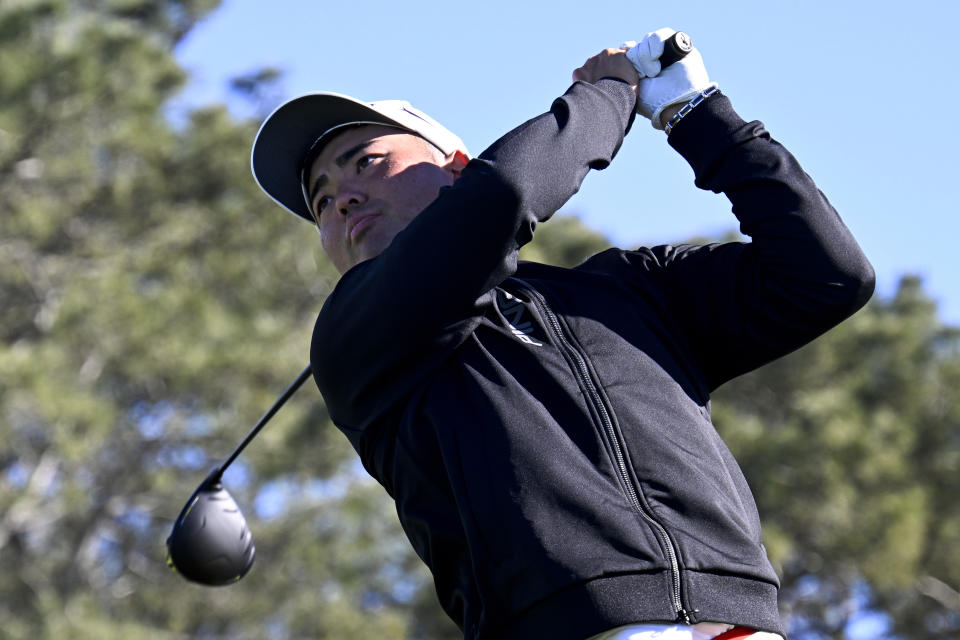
210,542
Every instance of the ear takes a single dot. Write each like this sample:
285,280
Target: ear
455,162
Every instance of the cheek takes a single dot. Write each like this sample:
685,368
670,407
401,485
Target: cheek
328,237
418,186
335,249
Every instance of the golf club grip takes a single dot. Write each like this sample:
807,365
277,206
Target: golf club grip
675,48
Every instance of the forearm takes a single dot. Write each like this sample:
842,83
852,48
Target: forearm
546,159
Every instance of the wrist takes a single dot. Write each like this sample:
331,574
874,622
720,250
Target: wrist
685,109
668,113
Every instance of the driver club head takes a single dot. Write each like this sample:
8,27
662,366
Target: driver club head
210,542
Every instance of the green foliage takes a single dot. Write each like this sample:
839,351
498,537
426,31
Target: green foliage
155,303
563,241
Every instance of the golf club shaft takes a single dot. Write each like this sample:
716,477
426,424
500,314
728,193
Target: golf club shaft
266,418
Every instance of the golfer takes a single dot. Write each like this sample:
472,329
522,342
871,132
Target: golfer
546,432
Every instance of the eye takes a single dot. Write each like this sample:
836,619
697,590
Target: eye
365,161
322,203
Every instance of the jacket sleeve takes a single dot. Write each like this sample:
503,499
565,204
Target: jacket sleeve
744,304
392,319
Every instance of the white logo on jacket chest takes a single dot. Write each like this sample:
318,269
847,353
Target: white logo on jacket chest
516,314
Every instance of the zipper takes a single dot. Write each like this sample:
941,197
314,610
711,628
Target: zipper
582,373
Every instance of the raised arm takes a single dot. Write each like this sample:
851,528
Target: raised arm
390,319
744,304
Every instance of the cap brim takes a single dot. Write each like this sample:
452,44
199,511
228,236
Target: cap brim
289,132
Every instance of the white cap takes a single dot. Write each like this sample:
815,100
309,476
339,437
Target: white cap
301,126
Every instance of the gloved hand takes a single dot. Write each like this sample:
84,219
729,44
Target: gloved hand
659,88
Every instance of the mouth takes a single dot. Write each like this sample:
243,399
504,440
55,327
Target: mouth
360,224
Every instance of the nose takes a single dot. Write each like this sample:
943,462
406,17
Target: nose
348,198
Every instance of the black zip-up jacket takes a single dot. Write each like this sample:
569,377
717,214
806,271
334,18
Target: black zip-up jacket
546,432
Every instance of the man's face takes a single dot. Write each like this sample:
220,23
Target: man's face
367,184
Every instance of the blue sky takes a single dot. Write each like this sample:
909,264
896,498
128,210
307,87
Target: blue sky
863,93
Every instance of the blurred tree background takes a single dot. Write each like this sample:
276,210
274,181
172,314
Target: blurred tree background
155,303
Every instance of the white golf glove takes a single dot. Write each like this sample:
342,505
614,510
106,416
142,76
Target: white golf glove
659,88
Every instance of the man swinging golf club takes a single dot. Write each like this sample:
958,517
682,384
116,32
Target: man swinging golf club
546,432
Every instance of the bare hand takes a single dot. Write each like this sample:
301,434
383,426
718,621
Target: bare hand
609,63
